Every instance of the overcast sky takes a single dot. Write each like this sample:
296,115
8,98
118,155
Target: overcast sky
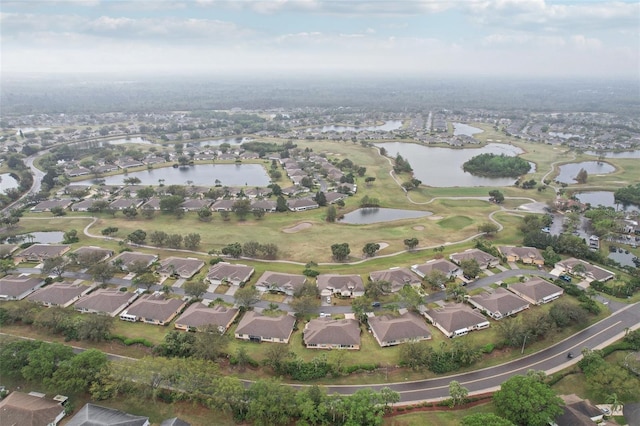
581,38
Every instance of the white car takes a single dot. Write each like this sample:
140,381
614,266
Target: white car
328,299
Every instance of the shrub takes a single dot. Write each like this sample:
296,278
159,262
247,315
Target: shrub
488,348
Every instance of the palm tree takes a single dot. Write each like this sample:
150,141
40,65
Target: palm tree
615,403
167,289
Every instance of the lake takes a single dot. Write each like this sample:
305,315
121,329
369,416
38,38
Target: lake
7,182
563,135
604,198
465,129
442,167
625,259
569,171
137,139
378,214
618,154
199,174
386,127
42,237
218,142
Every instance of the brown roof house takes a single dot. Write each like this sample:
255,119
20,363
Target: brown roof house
592,272
199,315
484,259
448,268
394,330
526,255
284,283
537,291
180,266
108,301
128,258
97,253
41,252
343,285
153,309
95,415
398,277
256,327
22,409
499,303
60,294
224,272
456,320
18,287
327,333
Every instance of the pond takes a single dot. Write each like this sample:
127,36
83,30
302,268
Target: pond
442,167
199,174
562,135
569,171
7,182
42,237
465,129
137,139
369,215
623,258
617,154
386,127
218,142
604,198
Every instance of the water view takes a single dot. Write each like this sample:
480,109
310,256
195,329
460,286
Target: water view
618,154
218,142
568,172
386,127
42,237
624,257
442,167
376,215
604,198
7,182
563,135
199,174
465,129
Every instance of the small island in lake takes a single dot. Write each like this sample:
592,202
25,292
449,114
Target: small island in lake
628,195
492,165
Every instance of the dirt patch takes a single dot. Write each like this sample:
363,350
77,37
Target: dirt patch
297,228
383,245
418,228
434,217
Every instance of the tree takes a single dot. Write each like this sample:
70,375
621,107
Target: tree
456,292
369,180
470,268
550,256
130,212
305,305
271,403
242,208
158,238
70,237
582,176
496,196
246,296
281,204
375,289
488,228
485,419
7,265
332,215
172,204
102,271
579,269
145,193
436,279
44,361
147,280
410,298
76,374
195,289
54,265
58,211
340,251
233,250
204,214
174,240
320,198
108,231
95,328
527,401
370,249
411,243
137,237
210,344
192,241
457,392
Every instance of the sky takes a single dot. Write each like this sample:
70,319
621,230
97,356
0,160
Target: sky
526,38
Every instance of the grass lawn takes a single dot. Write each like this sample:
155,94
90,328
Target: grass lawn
436,418
274,297
221,289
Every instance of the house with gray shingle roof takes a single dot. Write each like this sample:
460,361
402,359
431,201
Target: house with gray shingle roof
180,266
154,309
22,409
97,253
125,203
129,258
343,285
499,303
284,283
448,268
60,294
224,272
591,273
256,327
484,259
536,291
14,287
526,255
47,205
95,415
199,315
327,333
456,319
391,330
41,252
108,301
398,277
194,204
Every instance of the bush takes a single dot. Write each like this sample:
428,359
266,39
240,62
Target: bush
488,348
360,367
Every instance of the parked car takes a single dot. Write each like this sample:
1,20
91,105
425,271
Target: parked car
566,278
328,299
375,304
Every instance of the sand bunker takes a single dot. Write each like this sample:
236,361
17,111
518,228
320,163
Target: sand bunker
418,228
299,227
434,217
383,246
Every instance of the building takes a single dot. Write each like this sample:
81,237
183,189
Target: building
41,252
450,269
98,254
95,415
526,255
456,319
536,291
199,315
228,273
32,409
499,303
578,411
256,327
126,259
341,285
301,204
18,287
125,203
590,273
153,309
279,282
60,294
195,204
398,277
180,266
47,205
391,330
484,259
327,333
109,301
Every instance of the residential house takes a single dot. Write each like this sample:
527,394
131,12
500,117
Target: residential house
152,204
180,266
301,204
390,330
448,268
577,411
18,287
60,294
526,255
80,171
484,259
284,283
591,273
456,319
398,277
97,253
223,206
125,203
268,206
194,204
256,327
153,309
333,197
109,301
30,409
84,205
327,333
499,303
128,258
47,205
41,252
95,415
536,291
6,250
199,315
233,274
342,285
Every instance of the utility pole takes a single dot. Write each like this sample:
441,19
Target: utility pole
523,343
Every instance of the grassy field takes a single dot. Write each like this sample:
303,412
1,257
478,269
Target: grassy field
436,418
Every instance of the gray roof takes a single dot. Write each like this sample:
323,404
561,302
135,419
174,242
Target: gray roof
536,288
500,300
229,271
155,306
95,415
441,265
104,300
457,316
282,281
521,252
44,251
21,409
327,331
480,256
199,314
130,257
58,293
394,328
596,272
398,277
255,324
340,282
14,286
185,267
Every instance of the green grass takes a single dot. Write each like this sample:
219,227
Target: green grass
437,418
455,222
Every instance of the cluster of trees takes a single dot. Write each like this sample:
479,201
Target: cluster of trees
527,400
605,378
496,196
367,201
401,165
340,251
251,249
446,358
412,184
191,241
604,220
569,244
628,289
628,195
492,165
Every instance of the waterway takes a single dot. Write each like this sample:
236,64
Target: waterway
369,215
604,198
569,171
386,127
